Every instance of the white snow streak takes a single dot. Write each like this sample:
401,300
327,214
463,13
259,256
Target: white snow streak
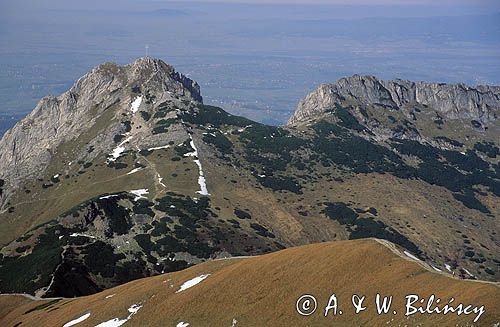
244,128
182,324
109,196
192,282
133,171
112,323
118,151
447,266
201,177
159,148
83,235
160,180
135,105
110,296
134,308
409,255
77,320
436,269
140,194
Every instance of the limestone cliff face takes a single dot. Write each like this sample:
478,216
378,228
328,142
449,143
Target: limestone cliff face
481,103
27,148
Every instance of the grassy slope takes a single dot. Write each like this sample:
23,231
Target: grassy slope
261,291
430,212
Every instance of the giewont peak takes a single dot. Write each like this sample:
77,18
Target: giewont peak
149,72
28,148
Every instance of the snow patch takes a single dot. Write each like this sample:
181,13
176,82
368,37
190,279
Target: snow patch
182,324
201,179
195,150
133,171
468,272
159,148
77,320
233,324
447,266
436,269
409,255
83,235
160,180
135,104
118,151
134,308
201,176
192,282
139,194
244,128
109,296
108,196
112,323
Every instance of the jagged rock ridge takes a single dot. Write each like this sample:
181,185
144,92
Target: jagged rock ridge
481,103
27,148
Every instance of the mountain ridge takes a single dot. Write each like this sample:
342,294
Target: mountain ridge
225,292
480,103
156,181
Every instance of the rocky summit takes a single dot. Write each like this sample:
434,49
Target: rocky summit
128,175
26,149
480,104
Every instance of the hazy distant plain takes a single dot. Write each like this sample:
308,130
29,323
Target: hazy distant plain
253,60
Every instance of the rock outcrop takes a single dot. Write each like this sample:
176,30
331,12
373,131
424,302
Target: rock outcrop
453,101
27,148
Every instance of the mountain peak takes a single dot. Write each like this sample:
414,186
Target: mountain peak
146,67
453,101
102,97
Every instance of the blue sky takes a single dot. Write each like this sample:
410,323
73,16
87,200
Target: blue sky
492,3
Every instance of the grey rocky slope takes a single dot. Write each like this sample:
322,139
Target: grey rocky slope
452,101
27,148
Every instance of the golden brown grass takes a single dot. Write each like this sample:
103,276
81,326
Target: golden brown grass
262,291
